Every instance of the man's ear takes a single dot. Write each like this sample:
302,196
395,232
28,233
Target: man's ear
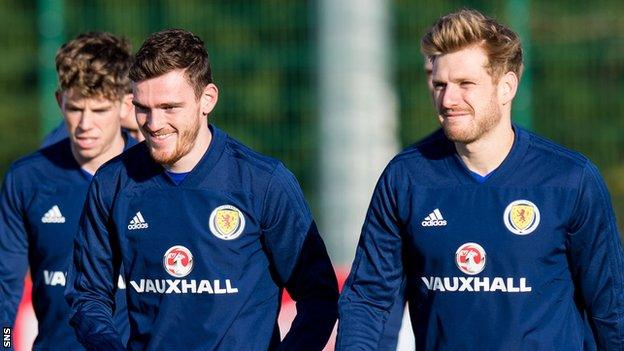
59,98
507,87
127,108
209,98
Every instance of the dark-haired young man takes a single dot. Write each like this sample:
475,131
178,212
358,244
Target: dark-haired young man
43,193
208,231
506,241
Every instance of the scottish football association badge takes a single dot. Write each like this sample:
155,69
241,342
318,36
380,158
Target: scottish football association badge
226,222
521,217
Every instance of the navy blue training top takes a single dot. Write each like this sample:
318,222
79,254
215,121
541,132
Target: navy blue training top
205,260
40,204
522,261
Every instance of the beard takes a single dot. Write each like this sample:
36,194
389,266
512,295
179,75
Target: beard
184,143
477,127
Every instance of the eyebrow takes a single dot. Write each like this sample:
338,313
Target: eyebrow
80,107
138,104
71,105
161,105
458,79
170,104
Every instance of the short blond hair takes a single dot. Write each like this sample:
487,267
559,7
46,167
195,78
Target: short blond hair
467,27
95,64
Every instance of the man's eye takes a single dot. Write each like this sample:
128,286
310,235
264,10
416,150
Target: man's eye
170,109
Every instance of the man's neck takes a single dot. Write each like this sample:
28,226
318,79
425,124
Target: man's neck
91,166
192,158
486,154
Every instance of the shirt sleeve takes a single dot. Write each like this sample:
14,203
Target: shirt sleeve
596,261
13,249
376,277
300,258
93,275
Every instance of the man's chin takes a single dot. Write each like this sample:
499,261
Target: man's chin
165,158
84,156
459,135
86,152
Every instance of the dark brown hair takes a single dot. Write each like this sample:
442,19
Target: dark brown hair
173,49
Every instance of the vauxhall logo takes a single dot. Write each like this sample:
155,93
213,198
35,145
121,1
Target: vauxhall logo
178,263
470,259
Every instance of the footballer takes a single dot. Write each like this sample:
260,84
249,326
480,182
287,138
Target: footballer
43,193
209,232
504,240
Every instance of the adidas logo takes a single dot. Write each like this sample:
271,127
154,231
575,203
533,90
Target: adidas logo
138,222
434,219
53,216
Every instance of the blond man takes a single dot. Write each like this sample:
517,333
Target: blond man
505,240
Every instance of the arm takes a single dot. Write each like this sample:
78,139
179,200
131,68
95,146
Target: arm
376,276
92,277
313,285
301,261
13,250
390,337
596,261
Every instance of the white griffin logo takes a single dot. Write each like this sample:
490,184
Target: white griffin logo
178,267
471,265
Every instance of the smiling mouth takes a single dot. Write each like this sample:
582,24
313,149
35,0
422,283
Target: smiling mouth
161,136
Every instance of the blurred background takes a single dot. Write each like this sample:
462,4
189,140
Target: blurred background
334,88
